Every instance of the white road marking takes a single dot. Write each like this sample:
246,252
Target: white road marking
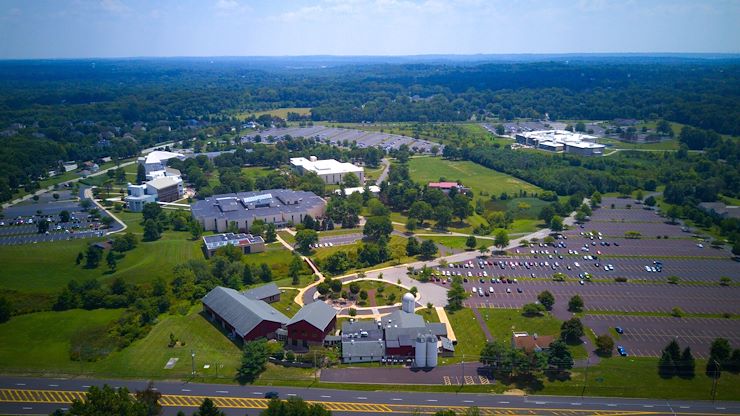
575,404
540,402
397,400
468,401
27,408
290,394
256,392
86,387
326,397
362,398
504,402
611,405
222,391
20,384
647,405
53,385
185,390
431,400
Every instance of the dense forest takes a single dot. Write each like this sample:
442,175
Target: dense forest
84,110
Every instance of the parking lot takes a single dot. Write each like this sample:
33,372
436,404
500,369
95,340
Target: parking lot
20,222
337,136
648,335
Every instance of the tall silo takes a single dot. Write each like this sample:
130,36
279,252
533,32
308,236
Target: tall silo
431,351
420,352
408,303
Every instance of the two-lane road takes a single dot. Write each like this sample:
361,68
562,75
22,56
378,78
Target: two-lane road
30,396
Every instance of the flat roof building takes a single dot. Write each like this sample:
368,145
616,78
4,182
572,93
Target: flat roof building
248,243
561,141
276,206
329,170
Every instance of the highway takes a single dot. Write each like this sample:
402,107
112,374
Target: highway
33,396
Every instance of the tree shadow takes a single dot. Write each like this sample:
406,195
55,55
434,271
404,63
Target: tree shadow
555,375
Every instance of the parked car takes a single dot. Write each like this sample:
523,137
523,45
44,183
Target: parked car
622,351
619,330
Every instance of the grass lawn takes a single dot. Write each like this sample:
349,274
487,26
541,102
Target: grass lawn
469,334
279,375
39,342
502,322
340,231
430,315
277,257
288,237
286,305
279,112
454,241
397,246
478,178
255,171
145,358
671,144
390,293
371,174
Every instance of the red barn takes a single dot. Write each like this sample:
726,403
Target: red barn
243,317
311,324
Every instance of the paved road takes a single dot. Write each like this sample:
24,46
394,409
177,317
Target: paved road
384,173
27,396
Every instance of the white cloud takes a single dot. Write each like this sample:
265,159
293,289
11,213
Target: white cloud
114,6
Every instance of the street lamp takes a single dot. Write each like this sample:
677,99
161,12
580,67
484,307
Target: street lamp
192,356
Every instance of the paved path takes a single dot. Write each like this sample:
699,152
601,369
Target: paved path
442,314
299,297
89,195
384,173
482,324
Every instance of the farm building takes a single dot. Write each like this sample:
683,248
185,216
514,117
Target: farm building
401,334
242,316
311,324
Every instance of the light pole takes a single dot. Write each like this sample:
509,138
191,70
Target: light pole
192,361
585,378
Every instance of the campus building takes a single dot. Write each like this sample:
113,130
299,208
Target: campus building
401,335
155,163
311,325
329,170
559,141
161,189
247,243
241,316
276,206
446,187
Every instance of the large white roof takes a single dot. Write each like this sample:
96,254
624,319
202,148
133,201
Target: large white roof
159,156
325,167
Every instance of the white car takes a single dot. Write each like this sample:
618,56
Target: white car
576,264
490,289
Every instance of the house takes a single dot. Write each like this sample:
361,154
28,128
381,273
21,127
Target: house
248,243
267,293
446,187
276,206
531,343
241,316
311,324
329,170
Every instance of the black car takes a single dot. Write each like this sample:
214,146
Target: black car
619,330
272,395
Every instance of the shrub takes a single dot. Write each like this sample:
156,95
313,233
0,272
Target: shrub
677,312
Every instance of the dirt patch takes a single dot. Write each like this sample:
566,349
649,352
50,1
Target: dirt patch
515,392
371,298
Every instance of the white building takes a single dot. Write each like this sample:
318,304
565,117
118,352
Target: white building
155,163
329,170
374,190
561,141
137,197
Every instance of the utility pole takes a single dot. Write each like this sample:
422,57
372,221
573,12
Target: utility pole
715,380
585,378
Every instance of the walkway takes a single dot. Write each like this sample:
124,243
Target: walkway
384,173
89,195
300,295
482,324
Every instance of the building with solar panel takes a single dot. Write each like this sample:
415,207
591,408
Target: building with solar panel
277,206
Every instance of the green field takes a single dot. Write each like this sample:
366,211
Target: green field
39,342
340,231
278,112
430,315
396,244
286,305
47,267
478,178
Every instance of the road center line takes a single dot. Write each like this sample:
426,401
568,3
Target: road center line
431,400
53,385
326,397
222,391
20,384
397,400
611,405
468,401
291,394
362,398
504,402
575,404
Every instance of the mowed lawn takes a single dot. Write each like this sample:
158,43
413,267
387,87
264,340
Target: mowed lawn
470,336
47,267
146,358
502,322
472,175
278,112
39,342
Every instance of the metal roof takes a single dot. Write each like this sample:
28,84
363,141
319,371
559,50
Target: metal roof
215,241
241,312
262,292
318,314
229,207
370,348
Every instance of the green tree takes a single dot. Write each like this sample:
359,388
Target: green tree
556,223
149,398
673,213
673,350
111,260
196,230
411,225
305,239
501,239
152,211
571,330
5,310
265,273
254,361
443,215
559,356
412,247
294,406
140,174
79,259
247,277
650,201
428,249
377,227
471,242
93,256
575,304
666,365
687,364
604,344
294,269
208,408
108,401
456,295
270,233
42,226
546,299
151,230
596,198
64,216
351,180
533,309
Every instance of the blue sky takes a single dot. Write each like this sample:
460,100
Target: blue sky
122,28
